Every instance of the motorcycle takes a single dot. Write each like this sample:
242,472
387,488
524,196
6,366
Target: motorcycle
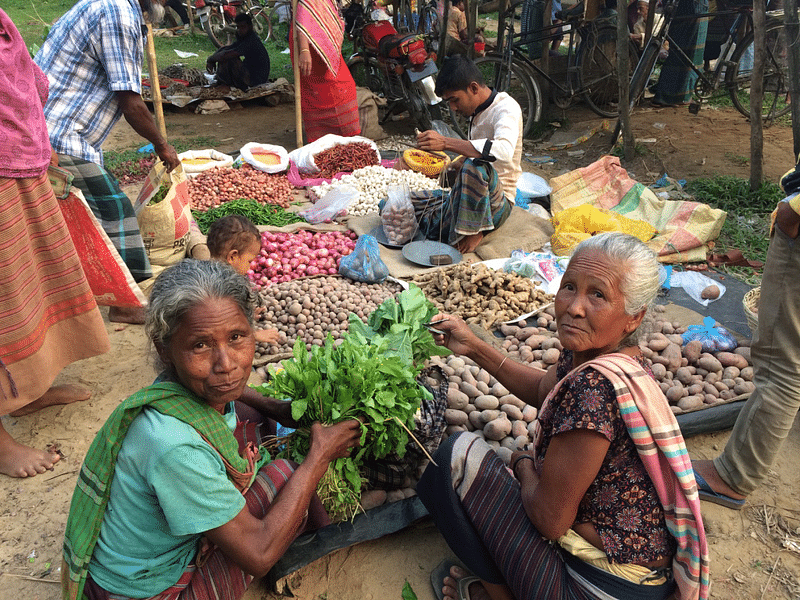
396,66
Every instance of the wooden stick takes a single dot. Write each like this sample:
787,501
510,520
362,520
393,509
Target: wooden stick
155,84
298,110
403,425
190,12
29,578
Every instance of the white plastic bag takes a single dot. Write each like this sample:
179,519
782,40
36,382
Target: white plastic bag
333,204
252,153
303,157
397,218
196,161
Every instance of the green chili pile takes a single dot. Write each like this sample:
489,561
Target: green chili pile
259,214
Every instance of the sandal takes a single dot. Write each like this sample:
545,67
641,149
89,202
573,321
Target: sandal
706,493
442,571
733,258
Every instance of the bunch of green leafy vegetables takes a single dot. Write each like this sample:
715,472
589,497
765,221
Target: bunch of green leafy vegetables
353,380
370,376
399,322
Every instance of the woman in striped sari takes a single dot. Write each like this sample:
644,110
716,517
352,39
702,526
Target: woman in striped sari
605,504
48,313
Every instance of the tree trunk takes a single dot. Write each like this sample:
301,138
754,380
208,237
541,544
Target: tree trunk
623,68
757,95
793,46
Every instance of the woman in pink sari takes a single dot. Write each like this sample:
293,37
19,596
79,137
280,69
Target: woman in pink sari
328,92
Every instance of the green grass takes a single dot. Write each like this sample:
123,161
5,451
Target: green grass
33,18
131,166
747,224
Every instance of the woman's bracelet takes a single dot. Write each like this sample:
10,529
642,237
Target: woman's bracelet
519,458
305,50
500,366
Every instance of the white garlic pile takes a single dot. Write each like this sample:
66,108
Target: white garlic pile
372,183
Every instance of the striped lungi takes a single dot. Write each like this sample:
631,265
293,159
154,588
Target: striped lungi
113,209
48,314
477,505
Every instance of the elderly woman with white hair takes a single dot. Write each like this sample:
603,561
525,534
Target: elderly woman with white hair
605,504
175,499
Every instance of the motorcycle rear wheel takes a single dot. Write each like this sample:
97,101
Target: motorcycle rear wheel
366,74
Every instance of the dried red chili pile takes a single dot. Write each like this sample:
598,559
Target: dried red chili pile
345,158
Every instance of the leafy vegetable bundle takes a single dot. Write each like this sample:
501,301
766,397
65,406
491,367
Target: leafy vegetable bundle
371,376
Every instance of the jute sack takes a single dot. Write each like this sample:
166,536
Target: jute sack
164,225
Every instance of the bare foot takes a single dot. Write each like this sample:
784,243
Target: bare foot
124,314
58,394
17,460
707,470
450,587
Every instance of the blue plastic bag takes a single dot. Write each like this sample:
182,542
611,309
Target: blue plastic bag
364,263
713,338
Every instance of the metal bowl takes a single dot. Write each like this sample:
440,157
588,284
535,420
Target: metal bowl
420,252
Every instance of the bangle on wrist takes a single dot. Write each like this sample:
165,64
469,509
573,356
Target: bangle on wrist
519,458
305,50
500,366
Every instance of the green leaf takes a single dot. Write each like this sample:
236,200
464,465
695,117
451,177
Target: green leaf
408,592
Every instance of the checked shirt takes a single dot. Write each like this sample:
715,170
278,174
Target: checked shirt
93,51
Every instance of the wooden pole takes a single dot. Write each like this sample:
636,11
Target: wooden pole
443,35
190,12
472,25
155,87
757,94
623,68
793,46
298,109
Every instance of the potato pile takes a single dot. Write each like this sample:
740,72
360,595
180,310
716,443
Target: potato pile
481,295
312,307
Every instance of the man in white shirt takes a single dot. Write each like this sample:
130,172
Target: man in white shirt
484,190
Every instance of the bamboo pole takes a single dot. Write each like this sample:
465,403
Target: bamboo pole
757,95
298,110
792,32
472,25
443,35
190,12
623,68
155,87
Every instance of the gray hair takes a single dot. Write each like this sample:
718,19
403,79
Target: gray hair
639,271
180,287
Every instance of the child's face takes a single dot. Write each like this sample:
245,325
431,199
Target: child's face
240,261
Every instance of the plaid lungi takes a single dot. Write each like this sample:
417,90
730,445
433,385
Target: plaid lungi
113,209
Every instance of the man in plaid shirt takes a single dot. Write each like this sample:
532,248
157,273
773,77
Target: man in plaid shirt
93,60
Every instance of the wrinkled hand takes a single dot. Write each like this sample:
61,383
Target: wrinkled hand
167,154
431,140
268,336
458,337
334,441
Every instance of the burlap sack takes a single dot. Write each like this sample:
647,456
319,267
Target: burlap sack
368,114
521,231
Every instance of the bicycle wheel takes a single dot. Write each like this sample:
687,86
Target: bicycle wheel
517,81
366,74
429,23
218,30
597,70
261,23
776,78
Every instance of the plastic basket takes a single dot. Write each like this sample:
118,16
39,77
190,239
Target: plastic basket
750,304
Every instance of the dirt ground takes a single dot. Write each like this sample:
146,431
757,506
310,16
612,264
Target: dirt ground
755,553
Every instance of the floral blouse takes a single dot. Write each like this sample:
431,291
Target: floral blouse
621,502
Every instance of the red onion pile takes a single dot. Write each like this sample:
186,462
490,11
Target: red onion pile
287,256
216,186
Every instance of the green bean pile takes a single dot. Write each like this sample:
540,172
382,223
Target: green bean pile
259,214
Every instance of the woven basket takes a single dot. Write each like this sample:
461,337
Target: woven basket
427,163
750,304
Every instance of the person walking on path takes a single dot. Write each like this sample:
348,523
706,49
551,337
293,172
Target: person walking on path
767,417
93,60
49,315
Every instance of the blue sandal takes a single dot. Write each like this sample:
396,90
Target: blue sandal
706,493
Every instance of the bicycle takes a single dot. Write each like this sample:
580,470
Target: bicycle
734,65
591,67
217,18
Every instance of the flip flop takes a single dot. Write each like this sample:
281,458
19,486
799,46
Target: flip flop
706,493
442,571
